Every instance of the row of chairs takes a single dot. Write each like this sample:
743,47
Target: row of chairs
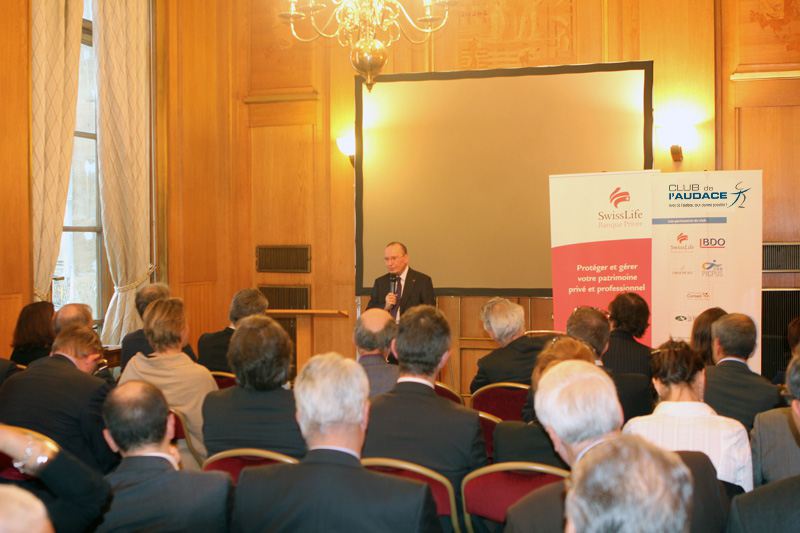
486,493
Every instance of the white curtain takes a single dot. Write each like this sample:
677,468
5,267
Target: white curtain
56,46
121,47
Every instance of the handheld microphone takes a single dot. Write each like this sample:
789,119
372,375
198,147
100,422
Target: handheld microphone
392,282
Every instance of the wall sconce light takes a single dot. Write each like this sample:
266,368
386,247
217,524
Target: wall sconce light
347,145
676,152
676,130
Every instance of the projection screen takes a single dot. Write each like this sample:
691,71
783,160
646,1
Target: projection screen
455,165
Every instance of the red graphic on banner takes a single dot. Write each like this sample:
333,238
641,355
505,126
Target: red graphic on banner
618,197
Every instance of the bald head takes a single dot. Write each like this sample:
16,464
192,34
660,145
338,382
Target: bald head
135,414
374,331
72,314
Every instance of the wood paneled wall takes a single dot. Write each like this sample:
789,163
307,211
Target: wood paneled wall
15,131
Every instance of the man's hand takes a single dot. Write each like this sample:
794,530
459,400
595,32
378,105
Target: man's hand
391,300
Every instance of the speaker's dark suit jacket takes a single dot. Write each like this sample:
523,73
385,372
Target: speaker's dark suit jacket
513,362
212,350
150,495
239,418
329,490
382,376
625,355
56,399
418,289
543,509
735,391
772,508
136,342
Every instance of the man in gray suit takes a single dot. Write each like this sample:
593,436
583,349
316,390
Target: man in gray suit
775,436
375,330
150,493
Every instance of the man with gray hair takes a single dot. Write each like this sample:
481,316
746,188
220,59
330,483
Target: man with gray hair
135,341
329,490
577,404
516,354
72,314
373,335
732,389
212,348
628,485
773,507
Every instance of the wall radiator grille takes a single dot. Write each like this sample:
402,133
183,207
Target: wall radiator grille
781,257
283,258
778,308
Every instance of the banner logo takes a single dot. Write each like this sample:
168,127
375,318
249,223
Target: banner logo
682,237
740,194
712,269
712,243
698,295
617,197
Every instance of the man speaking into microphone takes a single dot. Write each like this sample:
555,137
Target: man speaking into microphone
402,288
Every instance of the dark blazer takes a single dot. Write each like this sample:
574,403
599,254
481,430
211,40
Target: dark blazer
382,376
150,495
513,362
135,342
7,369
330,491
543,509
212,350
735,391
520,441
56,399
418,289
769,509
239,418
26,356
776,446
625,355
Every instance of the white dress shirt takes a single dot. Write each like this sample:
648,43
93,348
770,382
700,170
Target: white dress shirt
695,426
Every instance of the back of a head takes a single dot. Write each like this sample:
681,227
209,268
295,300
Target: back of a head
675,362
331,391
591,326
34,326
578,401
148,294
164,322
135,414
793,377
259,353
247,302
628,485
736,333
72,314
78,341
701,332
629,312
22,512
558,350
793,336
423,337
375,329
503,318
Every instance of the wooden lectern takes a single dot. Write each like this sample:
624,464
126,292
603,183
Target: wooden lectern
305,328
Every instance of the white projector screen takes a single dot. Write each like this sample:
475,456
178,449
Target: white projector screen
455,165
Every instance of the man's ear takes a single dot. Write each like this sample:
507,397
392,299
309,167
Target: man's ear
110,441
394,347
445,357
365,418
170,434
796,412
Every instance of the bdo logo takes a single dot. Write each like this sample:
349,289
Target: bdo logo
712,243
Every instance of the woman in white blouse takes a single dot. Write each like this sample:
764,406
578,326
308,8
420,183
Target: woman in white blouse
682,422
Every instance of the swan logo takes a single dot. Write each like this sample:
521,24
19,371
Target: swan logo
682,237
619,196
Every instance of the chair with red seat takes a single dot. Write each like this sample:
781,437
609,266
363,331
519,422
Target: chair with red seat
235,460
182,432
503,400
488,492
488,425
224,379
446,392
442,489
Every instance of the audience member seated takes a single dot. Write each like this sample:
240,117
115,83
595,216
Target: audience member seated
628,484
73,494
72,314
701,340
516,354
258,412
212,348
577,404
151,493
183,382
732,389
681,421
373,335
329,490
136,341
773,507
775,436
630,318
58,397
411,422
7,369
33,334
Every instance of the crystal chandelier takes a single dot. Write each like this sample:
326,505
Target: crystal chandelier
368,27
